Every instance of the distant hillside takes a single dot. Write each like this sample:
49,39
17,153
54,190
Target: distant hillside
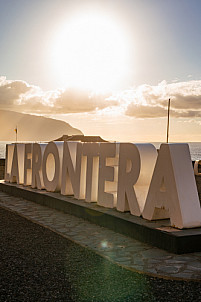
32,127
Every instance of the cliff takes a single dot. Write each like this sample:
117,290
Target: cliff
32,127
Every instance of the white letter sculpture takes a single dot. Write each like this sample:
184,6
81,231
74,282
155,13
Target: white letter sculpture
148,156
28,165
9,160
129,171
129,176
71,169
91,154
173,191
106,185
51,166
17,167
37,156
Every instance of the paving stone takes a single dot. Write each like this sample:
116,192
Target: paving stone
153,261
195,264
194,268
109,254
123,259
138,261
174,261
183,258
152,270
155,253
168,269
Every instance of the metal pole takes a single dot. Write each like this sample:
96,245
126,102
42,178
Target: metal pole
16,133
168,121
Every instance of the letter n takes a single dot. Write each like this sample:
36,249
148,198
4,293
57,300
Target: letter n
71,169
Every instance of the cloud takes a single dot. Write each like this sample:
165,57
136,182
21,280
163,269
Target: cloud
151,101
186,101
73,100
144,101
19,96
142,111
11,91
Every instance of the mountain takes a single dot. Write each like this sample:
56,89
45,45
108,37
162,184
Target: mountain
32,127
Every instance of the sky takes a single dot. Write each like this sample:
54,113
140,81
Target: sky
107,67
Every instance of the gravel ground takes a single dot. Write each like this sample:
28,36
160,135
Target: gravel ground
39,265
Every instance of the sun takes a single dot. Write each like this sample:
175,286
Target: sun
90,51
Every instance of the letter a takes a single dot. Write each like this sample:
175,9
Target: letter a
173,191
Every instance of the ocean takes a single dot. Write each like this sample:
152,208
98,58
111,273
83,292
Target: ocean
195,149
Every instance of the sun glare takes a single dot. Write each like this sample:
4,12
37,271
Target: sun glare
91,51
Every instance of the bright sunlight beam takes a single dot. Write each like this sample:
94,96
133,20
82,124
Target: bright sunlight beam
91,51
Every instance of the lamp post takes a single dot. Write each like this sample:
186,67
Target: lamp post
168,121
16,134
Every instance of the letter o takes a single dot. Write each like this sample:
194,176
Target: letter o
51,167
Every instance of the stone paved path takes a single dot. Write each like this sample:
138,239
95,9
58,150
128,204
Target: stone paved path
118,248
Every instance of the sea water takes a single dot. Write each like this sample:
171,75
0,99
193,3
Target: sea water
3,149
195,149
